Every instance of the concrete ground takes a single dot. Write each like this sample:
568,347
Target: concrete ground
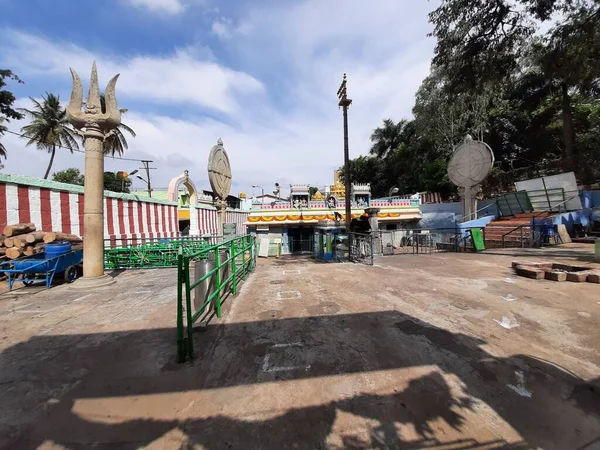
442,351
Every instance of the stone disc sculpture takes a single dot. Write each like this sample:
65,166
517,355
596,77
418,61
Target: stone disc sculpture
219,171
219,176
471,162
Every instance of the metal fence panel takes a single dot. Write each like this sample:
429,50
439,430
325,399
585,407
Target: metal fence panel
361,248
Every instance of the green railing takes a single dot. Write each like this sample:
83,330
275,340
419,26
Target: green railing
152,253
236,254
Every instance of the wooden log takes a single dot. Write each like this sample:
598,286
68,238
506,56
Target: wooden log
52,236
29,250
18,228
14,252
2,251
8,242
39,248
36,236
19,242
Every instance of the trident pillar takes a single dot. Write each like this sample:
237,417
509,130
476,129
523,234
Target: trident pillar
94,125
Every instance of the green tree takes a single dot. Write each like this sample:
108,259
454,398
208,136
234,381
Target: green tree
2,130
480,44
116,182
116,143
70,176
569,58
49,128
386,138
7,99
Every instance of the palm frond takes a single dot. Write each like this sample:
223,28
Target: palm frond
128,129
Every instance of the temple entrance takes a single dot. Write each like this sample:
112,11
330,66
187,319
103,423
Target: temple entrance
301,239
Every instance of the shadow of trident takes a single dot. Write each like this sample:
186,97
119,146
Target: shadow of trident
94,126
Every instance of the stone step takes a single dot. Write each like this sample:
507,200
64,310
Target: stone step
497,243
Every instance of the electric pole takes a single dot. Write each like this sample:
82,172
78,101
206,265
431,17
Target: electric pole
345,102
147,168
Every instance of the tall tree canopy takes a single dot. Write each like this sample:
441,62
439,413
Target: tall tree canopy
7,99
116,143
70,176
49,128
533,96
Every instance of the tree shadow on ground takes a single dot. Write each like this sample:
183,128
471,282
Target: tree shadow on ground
46,375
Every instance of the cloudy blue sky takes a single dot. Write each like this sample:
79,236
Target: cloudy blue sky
260,74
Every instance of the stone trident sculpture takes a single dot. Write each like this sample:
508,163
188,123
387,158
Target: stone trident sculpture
95,126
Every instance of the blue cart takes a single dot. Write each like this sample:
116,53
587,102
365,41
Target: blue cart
25,270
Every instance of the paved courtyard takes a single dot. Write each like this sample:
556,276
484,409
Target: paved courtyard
442,351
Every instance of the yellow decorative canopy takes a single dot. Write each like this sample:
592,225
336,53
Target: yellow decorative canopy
318,196
339,190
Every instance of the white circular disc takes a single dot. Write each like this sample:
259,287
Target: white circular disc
219,171
471,162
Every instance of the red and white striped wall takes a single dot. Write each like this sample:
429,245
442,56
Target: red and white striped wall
138,220
59,207
208,221
239,218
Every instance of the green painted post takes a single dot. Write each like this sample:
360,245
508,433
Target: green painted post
251,263
233,268
180,344
244,246
188,306
218,282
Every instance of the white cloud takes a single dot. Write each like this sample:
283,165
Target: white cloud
289,129
158,6
178,78
222,28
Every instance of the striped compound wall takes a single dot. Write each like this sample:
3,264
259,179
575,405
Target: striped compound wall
59,207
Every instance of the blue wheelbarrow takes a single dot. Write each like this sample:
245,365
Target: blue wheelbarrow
25,270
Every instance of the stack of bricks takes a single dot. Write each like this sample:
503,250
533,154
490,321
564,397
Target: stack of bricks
556,272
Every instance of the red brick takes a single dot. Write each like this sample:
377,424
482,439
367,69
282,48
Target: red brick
537,265
556,276
593,277
577,277
530,272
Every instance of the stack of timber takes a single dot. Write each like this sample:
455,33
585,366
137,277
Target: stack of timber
22,239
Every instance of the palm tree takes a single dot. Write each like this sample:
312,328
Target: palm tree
116,142
386,138
50,128
2,130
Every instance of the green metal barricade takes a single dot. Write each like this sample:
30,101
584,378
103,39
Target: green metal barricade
152,254
238,255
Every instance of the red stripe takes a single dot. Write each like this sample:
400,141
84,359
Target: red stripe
65,212
45,210
109,217
140,218
80,212
169,219
121,214
148,219
3,214
23,202
155,221
164,219
176,219
171,216
131,220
